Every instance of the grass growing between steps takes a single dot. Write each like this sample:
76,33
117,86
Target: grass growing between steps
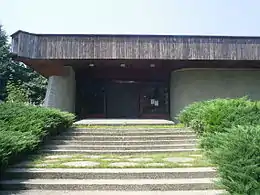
195,159
129,126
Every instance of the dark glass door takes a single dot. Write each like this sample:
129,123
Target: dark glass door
154,100
91,99
122,100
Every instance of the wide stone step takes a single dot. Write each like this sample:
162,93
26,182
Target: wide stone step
120,147
128,142
121,137
79,173
132,129
108,133
117,151
125,122
83,192
110,184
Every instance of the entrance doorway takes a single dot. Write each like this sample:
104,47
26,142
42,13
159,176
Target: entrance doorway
122,100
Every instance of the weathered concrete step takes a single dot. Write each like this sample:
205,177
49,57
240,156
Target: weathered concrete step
121,147
162,173
131,130
83,192
129,142
127,152
118,137
110,184
108,133
136,128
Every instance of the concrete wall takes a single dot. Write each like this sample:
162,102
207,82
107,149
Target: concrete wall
61,92
189,85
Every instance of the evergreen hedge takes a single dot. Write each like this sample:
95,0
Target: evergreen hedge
229,132
24,127
238,160
220,114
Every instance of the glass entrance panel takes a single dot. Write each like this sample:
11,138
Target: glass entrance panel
91,99
122,100
154,99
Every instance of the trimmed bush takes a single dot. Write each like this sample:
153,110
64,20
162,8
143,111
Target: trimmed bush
230,136
192,112
238,159
219,115
13,144
24,127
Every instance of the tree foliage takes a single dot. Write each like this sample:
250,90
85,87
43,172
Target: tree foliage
16,93
19,74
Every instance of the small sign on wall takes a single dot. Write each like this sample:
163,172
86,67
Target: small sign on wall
154,102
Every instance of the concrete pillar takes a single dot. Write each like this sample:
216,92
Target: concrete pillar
61,91
190,85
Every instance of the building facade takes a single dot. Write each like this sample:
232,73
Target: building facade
139,76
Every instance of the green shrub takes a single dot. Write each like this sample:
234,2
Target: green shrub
24,127
237,157
15,143
191,112
220,114
230,136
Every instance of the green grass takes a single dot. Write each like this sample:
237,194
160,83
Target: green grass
129,126
198,161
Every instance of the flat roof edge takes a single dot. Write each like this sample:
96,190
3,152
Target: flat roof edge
140,35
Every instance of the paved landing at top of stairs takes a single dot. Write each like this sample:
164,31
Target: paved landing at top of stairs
124,122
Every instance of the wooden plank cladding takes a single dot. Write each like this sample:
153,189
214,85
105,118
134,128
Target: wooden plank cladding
52,46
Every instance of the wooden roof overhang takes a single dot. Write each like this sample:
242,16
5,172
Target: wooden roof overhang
49,53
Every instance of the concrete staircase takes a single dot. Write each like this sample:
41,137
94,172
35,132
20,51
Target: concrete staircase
121,141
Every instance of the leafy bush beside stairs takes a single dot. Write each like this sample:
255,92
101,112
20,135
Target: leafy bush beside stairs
220,114
229,131
24,127
238,159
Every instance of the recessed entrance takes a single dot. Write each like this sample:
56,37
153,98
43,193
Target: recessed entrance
122,99
122,93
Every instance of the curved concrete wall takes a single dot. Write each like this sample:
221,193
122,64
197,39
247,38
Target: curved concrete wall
61,92
190,85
